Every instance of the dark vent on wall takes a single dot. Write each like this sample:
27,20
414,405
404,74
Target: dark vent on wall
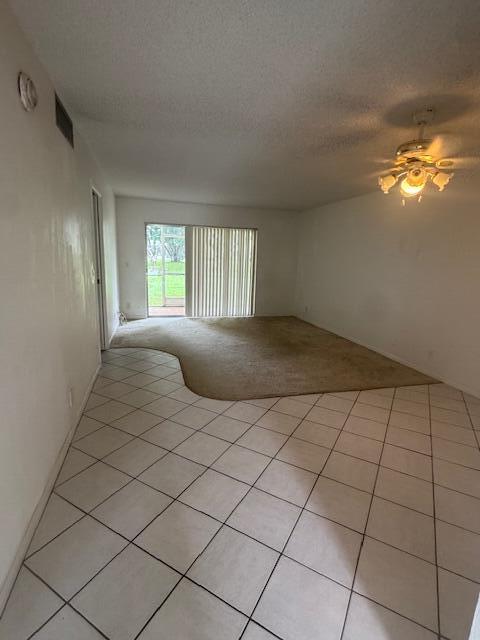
63,120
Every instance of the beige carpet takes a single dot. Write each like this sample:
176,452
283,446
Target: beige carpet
242,358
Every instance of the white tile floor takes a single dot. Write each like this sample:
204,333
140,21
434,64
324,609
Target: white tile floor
311,517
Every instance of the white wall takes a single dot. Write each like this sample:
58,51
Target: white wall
48,316
402,280
277,253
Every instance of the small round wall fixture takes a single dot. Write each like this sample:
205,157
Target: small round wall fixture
27,92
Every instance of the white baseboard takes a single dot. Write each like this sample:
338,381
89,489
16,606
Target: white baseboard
24,544
396,358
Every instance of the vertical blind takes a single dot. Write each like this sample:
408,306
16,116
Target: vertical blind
222,272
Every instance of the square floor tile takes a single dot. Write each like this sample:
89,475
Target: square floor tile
409,440
445,391
235,568
135,363
167,434
94,400
349,395
340,503
142,379
123,596
370,412
135,457
194,417
57,517
30,604
86,426
162,386
299,603
102,442
366,427
367,620
457,453
215,494
352,471
410,462
457,477
75,461
287,482
454,433
178,535
219,406
264,403
131,509
208,617
136,422
172,474
307,398
72,559
458,550
451,417
115,390
359,447
413,408
114,373
226,428
242,464
160,371
412,395
337,404
448,403
303,454
263,440
245,411
92,486
184,394
407,421
67,623
402,528
292,407
202,448
458,600
327,417
398,581
139,397
457,508
265,518
375,399
279,422
165,407
326,547
316,433
111,410
405,490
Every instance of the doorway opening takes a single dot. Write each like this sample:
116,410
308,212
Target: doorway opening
165,270
99,266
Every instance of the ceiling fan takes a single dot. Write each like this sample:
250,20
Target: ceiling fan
418,162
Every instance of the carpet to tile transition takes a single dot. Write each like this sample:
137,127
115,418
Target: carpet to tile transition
242,358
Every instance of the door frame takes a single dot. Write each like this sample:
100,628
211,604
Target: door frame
97,212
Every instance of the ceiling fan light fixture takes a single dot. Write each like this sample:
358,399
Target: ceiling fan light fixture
416,164
441,180
387,182
409,190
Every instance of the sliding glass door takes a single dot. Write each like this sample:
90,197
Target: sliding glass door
221,271
165,270
200,271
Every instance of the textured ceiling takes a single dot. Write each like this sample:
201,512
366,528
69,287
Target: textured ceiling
269,103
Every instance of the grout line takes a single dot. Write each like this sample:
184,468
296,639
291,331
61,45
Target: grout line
435,543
